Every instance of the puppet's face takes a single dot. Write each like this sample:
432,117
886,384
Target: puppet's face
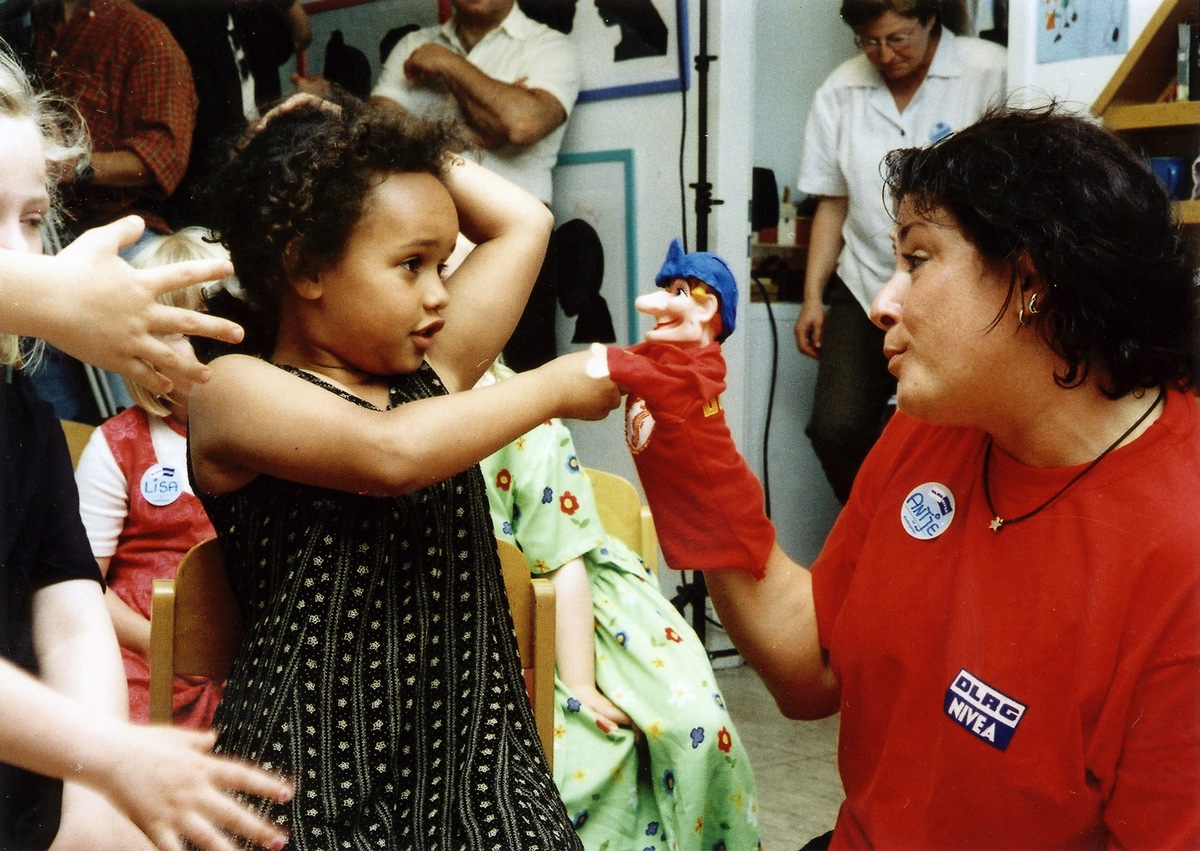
683,317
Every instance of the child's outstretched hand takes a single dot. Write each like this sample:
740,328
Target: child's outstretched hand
99,309
171,787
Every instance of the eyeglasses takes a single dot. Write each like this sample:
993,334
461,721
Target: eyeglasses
894,42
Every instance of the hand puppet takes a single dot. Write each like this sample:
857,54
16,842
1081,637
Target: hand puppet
706,502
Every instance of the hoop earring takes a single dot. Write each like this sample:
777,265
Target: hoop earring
1033,311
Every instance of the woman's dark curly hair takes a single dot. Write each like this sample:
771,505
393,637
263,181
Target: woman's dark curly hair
1120,291
290,193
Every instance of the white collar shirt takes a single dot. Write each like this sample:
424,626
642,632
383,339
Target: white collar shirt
854,123
518,49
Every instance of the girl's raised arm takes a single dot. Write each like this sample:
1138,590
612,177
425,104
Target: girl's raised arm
510,229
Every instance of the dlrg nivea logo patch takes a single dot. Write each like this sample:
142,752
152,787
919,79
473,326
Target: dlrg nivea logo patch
983,711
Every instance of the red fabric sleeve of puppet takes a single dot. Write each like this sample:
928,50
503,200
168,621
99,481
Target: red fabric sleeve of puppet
706,502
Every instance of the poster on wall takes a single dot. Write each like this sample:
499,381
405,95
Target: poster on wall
1077,29
370,27
594,207
627,47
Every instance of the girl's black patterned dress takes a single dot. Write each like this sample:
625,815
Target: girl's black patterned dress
380,669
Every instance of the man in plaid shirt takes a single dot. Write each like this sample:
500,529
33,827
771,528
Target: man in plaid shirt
133,86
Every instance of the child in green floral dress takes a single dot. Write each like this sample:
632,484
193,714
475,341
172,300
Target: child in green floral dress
646,755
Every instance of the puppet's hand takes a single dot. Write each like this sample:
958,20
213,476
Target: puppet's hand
597,366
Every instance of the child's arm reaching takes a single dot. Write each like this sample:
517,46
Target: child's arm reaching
163,779
575,643
488,291
93,305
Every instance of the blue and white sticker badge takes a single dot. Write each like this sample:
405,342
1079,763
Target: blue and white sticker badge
161,485
982,710
928,511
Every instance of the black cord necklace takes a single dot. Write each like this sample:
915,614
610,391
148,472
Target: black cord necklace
999,522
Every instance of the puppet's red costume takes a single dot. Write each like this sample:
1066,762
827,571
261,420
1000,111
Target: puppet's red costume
707,504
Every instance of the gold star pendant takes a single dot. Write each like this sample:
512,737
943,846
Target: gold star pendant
995,524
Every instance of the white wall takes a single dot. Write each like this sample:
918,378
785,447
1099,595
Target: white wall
1076,82
797,44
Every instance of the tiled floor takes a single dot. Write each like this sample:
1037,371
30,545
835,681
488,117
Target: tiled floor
795,763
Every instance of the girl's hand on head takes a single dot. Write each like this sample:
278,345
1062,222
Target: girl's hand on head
106,312
312,93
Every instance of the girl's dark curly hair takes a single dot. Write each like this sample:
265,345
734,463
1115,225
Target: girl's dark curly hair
1120,280
290,193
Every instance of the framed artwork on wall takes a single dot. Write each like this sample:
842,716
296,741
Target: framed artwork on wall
630,47
598,188
1077,30
370,26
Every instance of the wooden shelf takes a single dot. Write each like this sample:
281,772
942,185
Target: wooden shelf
1146,74
1153,116
1134,103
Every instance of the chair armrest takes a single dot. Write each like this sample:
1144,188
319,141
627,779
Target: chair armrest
649,541
162,651
544,609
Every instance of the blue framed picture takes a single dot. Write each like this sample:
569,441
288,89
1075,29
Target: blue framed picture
631,47
599,188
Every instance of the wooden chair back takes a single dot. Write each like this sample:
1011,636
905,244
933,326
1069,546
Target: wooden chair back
623,514
78,435
531,600
195,626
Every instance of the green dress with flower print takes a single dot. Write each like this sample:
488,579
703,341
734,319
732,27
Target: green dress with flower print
683,780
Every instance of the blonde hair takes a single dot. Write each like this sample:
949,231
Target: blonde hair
155,250
65,145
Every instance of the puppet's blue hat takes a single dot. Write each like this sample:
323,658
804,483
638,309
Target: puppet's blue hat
706,267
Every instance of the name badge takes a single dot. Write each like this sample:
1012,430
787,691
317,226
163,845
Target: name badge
161,485
928,511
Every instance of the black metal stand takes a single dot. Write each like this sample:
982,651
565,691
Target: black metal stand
704,197
695,593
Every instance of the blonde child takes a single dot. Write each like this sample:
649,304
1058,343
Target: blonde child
339,467
137,503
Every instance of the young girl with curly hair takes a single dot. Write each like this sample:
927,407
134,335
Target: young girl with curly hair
338,463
